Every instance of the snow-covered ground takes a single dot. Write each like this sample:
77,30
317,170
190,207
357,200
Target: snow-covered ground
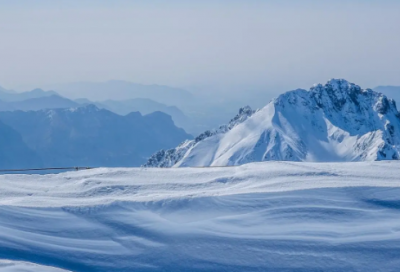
269,216
15,266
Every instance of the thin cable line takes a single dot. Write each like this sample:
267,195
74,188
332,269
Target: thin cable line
43,169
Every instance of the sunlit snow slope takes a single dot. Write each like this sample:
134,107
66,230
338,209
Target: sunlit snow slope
269,216
15,266
334,122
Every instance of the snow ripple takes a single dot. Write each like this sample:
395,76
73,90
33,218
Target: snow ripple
258,217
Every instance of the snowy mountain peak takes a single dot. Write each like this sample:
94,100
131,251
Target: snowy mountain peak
337,90
338,94
338,121
340,85
337,86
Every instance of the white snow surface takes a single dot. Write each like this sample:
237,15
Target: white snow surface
334,122
267,216
15,266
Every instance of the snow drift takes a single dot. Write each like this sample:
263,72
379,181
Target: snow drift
337,121
269,216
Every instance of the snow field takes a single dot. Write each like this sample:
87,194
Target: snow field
269,216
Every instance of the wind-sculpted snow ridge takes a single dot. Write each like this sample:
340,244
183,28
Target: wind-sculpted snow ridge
337,121
168,158
269,216
15,266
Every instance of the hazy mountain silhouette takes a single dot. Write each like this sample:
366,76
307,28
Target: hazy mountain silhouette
123,90
6,95
39,103
89,136
14,153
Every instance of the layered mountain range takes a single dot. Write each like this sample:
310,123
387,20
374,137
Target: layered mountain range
83,136
38,99
337,121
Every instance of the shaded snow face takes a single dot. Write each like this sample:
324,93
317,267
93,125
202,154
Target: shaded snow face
351,108
338,121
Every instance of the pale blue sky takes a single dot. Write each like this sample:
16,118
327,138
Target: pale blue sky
227,45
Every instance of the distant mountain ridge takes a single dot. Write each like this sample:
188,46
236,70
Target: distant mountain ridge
36,99
40,99
144,106
337,121
89,136
193,113
38,103
11,96
147,106
123,90
3,90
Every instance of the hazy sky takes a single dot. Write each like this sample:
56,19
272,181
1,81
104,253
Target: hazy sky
233,45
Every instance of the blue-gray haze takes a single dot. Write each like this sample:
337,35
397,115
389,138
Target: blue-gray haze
209,47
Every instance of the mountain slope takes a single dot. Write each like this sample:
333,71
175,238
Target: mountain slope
88,136
14,153
6,106
337,121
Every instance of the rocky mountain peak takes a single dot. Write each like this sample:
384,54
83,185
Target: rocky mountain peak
341,95
337,91
336,121
338,86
